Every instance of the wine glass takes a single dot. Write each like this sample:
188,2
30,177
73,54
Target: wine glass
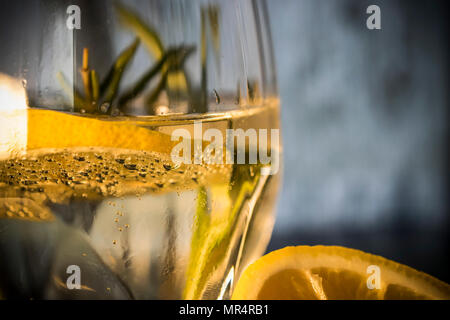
139,147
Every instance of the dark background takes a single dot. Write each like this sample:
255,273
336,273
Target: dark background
365,128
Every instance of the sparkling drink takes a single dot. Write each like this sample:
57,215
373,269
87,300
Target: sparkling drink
93,207
139,147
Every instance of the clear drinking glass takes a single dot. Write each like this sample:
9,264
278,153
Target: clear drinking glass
94,99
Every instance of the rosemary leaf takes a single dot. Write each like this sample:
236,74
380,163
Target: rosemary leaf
154,45
177,61
144,80
172,62
86,76
151,99
110,85
178,83
94,86
144,32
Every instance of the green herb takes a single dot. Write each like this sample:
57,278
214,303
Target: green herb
176,80
94,86
112,81
144,32
175,62
145,79
211,240
202,103
86,76
99,97
153,96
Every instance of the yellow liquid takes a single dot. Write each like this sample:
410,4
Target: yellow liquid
136,225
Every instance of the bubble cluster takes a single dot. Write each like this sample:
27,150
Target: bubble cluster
94,173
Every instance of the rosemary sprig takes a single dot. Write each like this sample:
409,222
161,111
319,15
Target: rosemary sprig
99,97
143,31
95,86
144,80
176,81
86,76
110,85
153,96
175,63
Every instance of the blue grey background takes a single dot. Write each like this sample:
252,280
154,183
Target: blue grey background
364,117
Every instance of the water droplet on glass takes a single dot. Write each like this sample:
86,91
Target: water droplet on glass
216,94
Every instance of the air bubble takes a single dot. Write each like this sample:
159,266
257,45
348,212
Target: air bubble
130,166
105,107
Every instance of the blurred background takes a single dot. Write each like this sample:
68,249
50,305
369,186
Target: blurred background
365,128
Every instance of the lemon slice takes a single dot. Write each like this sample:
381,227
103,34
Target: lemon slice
334,273
33,129
53,129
